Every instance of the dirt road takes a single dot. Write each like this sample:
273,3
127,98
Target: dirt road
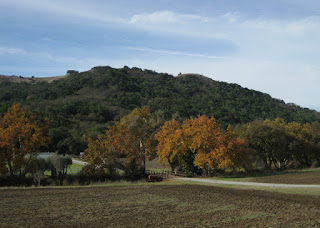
79,162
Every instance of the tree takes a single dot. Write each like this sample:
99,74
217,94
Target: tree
41,167
61,163
202,136
20,135
199,143
72,72
104,154
237,150
126,145
279,143
170,143
303,147
138,144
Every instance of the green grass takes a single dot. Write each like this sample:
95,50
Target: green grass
72,169
75,168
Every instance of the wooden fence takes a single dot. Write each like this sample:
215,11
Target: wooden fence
166,173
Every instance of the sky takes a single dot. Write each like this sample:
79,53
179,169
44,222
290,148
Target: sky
271,46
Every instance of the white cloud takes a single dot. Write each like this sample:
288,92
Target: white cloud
232,17
11,51
283,26
165,17
174,53
63,10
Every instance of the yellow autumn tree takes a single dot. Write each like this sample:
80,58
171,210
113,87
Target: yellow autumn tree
21,137
170,143
204,139
104,154
200,141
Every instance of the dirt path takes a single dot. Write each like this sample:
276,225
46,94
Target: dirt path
248,183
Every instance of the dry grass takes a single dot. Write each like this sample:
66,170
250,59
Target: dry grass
16,79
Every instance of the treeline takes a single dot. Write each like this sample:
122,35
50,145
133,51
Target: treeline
200,146
197,146
82,103
281,145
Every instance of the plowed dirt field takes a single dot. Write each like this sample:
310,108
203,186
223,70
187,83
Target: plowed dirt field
153,205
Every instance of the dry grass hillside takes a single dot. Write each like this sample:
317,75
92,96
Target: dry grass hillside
29,80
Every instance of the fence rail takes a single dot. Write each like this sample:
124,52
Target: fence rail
165,174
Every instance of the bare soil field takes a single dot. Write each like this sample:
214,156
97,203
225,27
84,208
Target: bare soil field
155,205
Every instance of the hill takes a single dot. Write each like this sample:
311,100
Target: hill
82,103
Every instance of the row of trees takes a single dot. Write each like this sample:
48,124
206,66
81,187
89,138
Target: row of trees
56,164
199,145
195,145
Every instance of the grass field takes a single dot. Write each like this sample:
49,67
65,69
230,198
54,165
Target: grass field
156,205
73,169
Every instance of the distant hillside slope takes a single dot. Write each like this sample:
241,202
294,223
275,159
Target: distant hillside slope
84,102
30,80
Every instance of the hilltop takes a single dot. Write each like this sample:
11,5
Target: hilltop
82,103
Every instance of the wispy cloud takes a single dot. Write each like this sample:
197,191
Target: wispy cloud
11,51
299,25
66,9
165,17
175,53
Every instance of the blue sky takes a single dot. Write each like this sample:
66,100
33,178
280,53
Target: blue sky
272,46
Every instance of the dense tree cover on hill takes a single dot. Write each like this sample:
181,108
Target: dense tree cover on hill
82,103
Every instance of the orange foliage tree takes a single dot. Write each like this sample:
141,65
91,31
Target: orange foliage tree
238,150
202,137
170,143
104,154
21,137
